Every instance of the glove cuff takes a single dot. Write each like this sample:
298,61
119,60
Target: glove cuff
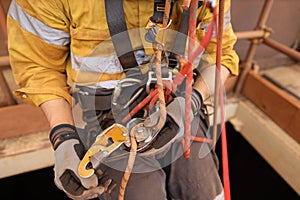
61,133
197,100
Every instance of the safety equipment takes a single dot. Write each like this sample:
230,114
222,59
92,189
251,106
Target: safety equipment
107,142
173,129
68,152
149,140
127,94
37,24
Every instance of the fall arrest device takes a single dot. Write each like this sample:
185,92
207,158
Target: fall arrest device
138,133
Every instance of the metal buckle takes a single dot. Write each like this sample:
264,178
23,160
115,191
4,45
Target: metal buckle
160,7
152,79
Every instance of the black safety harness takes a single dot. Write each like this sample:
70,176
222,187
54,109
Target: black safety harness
115,17
99,99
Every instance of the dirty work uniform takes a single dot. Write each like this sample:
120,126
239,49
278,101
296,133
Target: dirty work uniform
56,51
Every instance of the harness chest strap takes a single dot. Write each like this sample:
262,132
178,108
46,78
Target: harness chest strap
119,32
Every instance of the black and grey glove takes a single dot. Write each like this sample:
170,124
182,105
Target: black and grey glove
176,114
173,129
69,150
176,111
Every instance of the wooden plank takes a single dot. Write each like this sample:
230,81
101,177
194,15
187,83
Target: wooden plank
21,119
280,150
25,153
285,77
281,107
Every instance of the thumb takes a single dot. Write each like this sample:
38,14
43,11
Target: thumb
88,183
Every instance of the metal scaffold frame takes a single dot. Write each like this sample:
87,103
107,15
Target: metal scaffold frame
260,35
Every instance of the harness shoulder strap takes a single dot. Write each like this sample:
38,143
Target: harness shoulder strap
115,17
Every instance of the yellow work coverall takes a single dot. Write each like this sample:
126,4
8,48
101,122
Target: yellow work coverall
66,32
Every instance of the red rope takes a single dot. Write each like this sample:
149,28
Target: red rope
189,78
143,103
220,27
185,72
201,139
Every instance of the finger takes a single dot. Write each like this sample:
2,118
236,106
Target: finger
93,196
107,183
110,189
102,179
92,193
71,184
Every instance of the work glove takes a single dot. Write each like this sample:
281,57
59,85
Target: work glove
176,108
69,150
173,129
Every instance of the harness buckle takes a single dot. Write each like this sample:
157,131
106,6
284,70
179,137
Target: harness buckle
159,7
152,79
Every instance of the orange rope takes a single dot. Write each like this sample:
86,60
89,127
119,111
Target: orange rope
201,139
158,73
162,106
160,88
128,170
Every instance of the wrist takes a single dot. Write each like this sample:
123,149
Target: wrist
197,100
57,111
201,89
62,133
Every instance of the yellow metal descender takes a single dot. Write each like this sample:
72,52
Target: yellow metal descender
108,141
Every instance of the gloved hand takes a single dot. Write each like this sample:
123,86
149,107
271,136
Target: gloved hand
69,150
197,100
174,126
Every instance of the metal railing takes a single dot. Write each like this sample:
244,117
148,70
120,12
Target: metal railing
260,36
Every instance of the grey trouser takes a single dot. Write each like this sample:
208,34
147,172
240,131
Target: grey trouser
172,176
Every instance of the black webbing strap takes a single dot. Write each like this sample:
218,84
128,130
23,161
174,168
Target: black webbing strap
115,17
159,10
181,36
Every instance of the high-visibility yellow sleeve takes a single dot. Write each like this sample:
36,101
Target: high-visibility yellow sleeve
38,63
229,57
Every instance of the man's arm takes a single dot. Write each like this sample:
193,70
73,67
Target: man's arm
205,83
38,50
58,111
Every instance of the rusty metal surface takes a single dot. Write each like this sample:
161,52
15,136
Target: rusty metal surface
253,50
283,49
